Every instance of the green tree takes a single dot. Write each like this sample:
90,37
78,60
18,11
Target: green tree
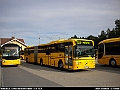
95,39
108,33
102,36
75,36
117,27
112,33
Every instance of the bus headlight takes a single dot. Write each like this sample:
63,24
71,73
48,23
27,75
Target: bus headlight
93,62
3,61
18,60
76,62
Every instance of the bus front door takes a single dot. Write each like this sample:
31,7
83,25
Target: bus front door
100,53
68,56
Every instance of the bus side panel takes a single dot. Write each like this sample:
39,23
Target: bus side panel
31,58
43,57
55,57
102,60
118,60
115,57
26,57
52,59
48,60
106,58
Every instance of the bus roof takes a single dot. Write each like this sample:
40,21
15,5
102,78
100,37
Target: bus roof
64,40
80,39
29,46
110,40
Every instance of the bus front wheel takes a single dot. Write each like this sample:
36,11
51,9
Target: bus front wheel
112,63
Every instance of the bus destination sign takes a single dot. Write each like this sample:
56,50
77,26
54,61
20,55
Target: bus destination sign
84,42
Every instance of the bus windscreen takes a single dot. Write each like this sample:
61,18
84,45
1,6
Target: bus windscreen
11,51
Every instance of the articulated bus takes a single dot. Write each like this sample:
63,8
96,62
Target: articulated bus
10,54
71,54
109,52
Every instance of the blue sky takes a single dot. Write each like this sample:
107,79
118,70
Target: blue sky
56,19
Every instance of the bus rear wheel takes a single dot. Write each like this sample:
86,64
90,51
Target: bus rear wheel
41,62
112,63
26,60
60,65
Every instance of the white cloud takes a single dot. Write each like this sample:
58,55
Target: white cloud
56,18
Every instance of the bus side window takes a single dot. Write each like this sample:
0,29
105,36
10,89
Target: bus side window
61,47
101,48
56,48
112,48
28,52
48,52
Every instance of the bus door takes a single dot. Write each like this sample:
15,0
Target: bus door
100,53
48,57
68,56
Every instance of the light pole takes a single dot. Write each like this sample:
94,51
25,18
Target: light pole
39,40
39,37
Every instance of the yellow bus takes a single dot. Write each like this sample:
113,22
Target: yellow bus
10,54
71,54
109,52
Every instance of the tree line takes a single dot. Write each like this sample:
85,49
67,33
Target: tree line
114,33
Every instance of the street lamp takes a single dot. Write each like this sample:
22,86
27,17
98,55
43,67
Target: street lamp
39,40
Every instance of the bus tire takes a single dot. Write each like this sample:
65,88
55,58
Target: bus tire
41,62
26,60
21,58
60,65
16,65
112,62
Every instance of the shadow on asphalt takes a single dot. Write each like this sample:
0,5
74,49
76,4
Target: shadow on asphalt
108,68
48,68
9,66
